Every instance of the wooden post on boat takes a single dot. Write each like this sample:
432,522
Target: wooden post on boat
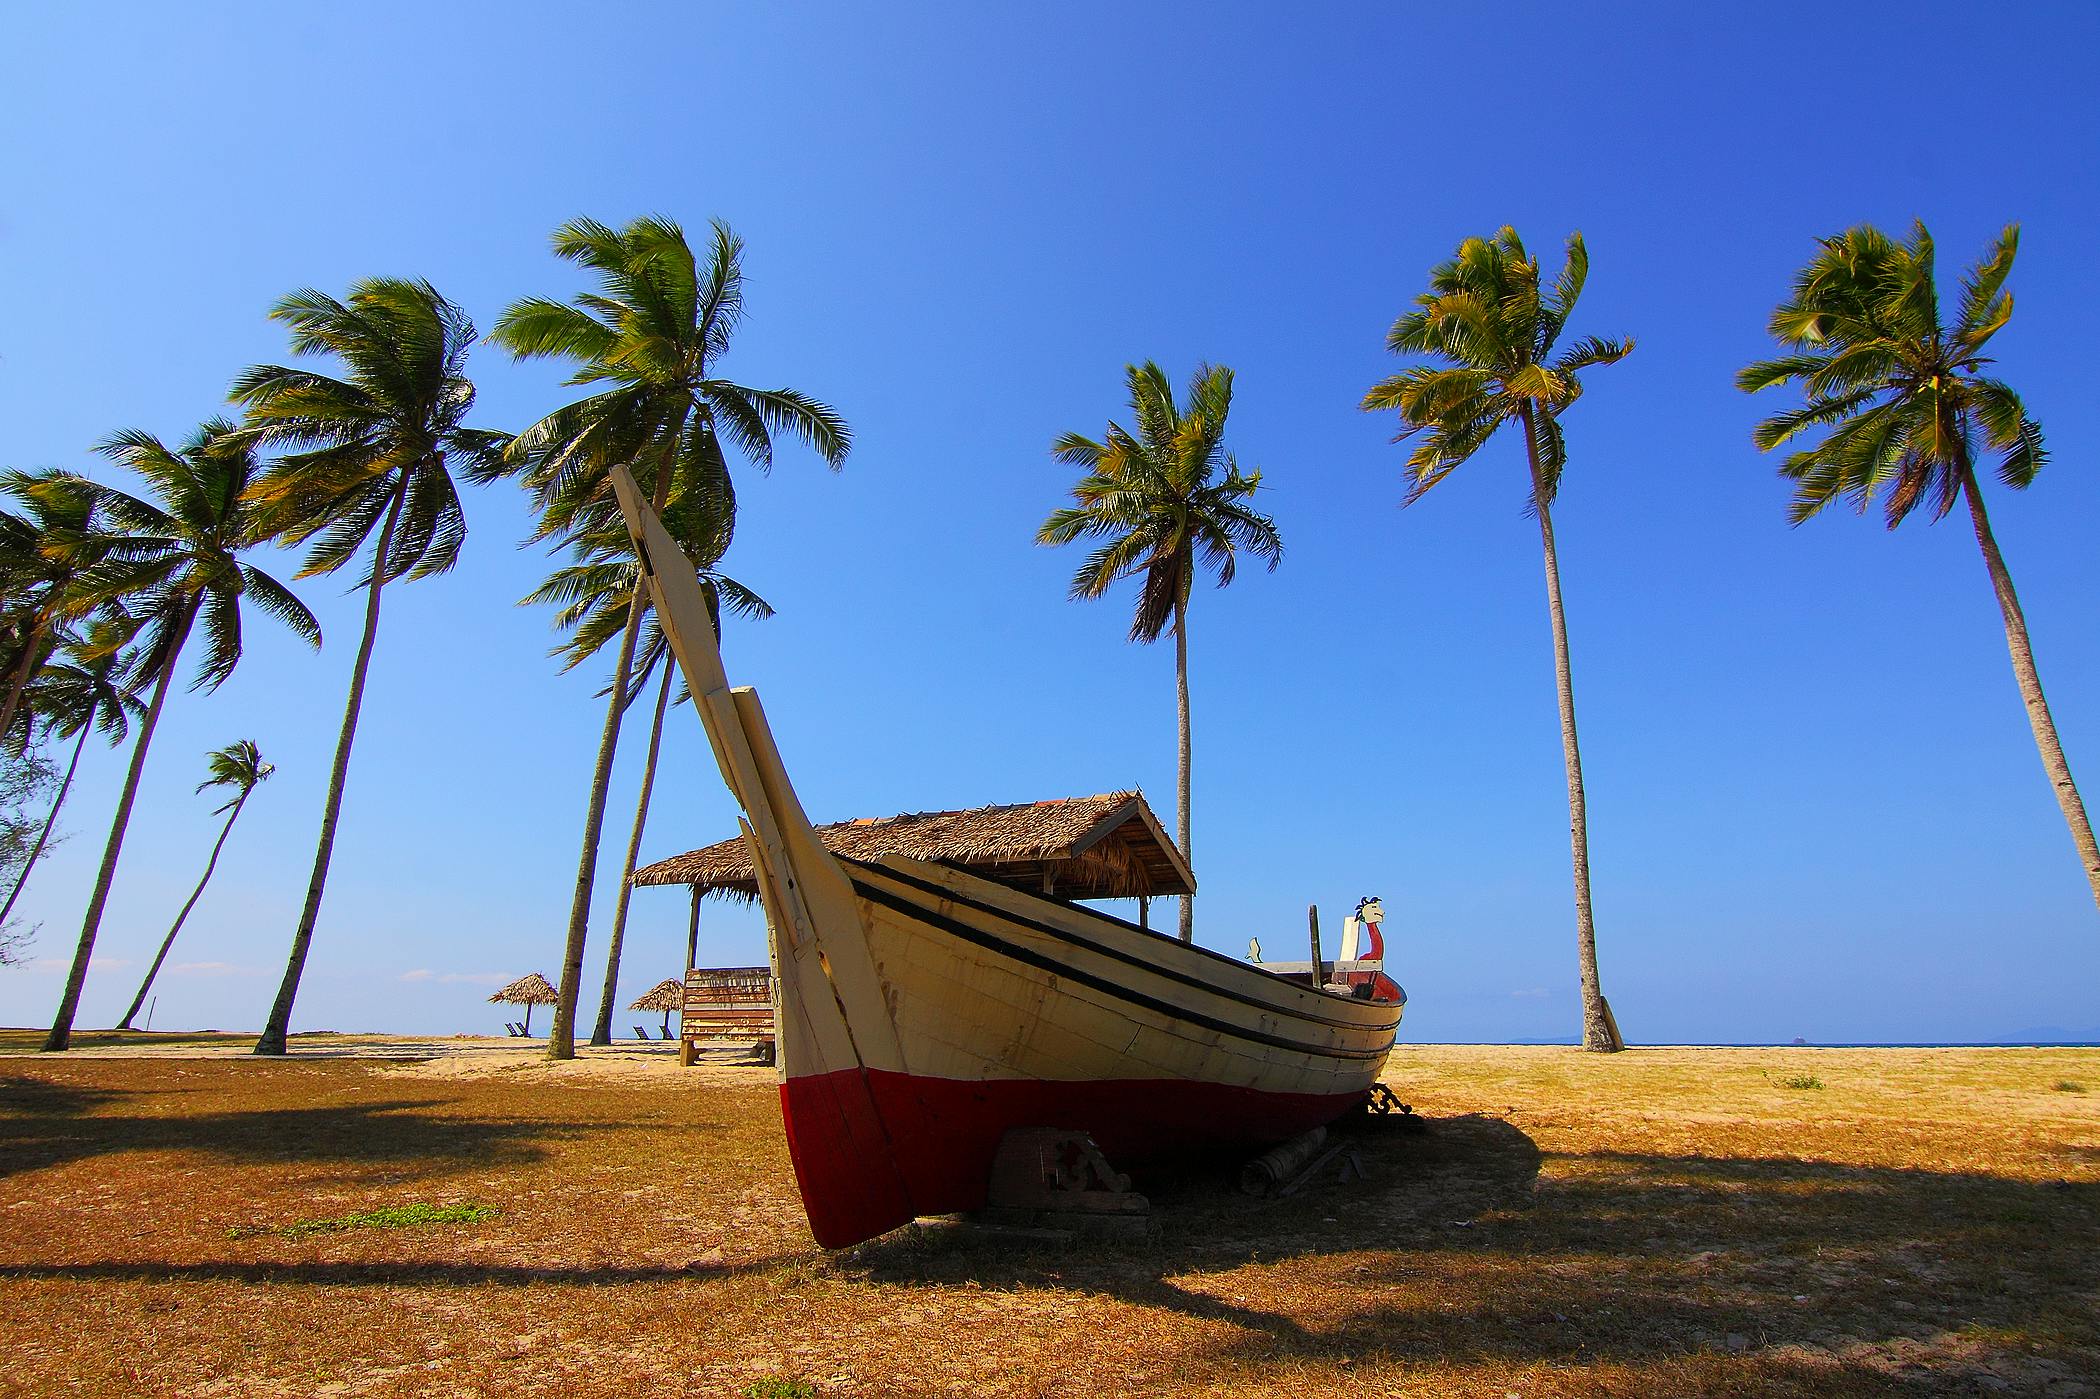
1312,917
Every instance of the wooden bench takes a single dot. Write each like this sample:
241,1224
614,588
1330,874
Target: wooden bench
727,1003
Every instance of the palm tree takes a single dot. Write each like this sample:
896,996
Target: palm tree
52,570
92,689
238,765
188,546
648,342
1908,406
595,594
1487,318
374,451
1162,498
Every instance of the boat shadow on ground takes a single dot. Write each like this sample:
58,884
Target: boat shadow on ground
1465,1243
46,1123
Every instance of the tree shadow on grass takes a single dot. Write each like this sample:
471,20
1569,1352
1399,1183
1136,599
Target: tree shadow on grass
45,1123
1458,1248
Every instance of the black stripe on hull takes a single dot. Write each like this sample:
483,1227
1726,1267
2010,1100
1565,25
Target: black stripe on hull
992,943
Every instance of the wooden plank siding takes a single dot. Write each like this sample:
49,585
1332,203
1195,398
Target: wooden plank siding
724,1003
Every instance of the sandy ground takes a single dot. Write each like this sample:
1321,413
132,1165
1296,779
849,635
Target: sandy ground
1698,1222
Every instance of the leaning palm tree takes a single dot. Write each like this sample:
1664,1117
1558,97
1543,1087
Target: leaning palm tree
238,765
596,594
189,544
1906,405
373,451
1163,498
1488,319
93,689
648,343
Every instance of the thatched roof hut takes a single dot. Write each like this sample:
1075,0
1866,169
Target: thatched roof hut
1109,846
534,990
527,991
665,995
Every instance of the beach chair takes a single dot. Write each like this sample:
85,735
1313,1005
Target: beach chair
663,1033
641,1032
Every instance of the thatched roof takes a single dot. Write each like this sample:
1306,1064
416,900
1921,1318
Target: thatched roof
534,990
665,995
1103,847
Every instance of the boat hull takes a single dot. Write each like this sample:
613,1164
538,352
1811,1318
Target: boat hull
1011,1011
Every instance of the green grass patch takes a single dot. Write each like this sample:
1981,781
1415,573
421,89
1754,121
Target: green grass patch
393,1217
2067,1085
1801,1081
770,1388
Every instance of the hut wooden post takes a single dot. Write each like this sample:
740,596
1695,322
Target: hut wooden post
1144,910
1312,918
692,958
528,1020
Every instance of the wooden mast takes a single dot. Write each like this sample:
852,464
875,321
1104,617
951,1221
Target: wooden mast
834,1021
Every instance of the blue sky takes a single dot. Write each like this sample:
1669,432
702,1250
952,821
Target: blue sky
1816,809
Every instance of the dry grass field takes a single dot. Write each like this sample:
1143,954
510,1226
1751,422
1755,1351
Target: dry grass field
1663,1222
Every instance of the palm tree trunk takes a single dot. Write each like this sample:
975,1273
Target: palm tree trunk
1181,786
2038,716
278,1026
18,683
602,1032
61,1036
1597,1032
561,1039
195,894
50,822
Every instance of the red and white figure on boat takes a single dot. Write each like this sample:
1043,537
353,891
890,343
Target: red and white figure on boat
1360,966
924,1011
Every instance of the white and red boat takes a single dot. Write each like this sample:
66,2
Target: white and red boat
923,1011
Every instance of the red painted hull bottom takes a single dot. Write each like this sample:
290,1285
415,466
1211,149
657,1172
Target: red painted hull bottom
874,1150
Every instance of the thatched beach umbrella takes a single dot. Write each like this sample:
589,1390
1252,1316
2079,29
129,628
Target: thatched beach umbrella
667,995
527,991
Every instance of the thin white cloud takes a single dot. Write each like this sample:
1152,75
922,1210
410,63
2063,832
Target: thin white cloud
212,969
457,978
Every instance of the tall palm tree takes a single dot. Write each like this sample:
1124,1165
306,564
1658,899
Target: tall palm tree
238,765
1494,327
1905,404
372,451
188,545
1163,498
648,342
596,594
93,689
